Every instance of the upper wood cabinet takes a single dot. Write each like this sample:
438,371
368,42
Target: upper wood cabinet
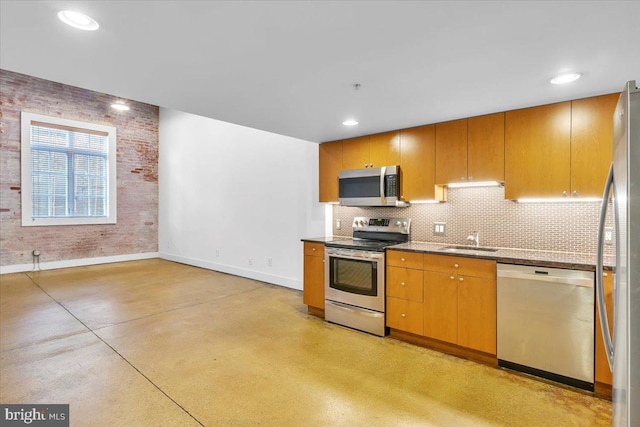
591,143
451,151
538,151
355,153
418,164
377,150
560,149
470,149
330,164
485,148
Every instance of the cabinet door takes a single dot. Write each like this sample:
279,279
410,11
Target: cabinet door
330,162
355,153
477,313
538,151
418,162
603,374
441,306
313,286
451,151
404,283
404,315
591,143
384,149
485,148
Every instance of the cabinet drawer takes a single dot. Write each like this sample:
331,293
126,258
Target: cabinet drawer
460,265
404,283
404,315
314,249
405,259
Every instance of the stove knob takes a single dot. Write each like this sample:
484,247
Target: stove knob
404,224
398,223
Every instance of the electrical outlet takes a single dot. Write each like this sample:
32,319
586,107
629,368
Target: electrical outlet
250,261
608,235
270,262
439,228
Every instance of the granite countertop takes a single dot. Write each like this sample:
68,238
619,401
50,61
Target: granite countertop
575,261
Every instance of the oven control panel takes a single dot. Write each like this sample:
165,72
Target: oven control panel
384,225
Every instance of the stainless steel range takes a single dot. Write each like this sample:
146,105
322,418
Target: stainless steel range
355,273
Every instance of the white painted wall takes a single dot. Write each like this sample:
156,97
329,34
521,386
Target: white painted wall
229,193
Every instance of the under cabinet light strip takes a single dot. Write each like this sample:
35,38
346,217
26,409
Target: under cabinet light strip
474,184
559,200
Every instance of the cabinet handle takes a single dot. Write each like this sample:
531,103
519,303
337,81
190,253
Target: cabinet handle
456,265
575,193
404,315
313,249
366,166
461,279
452,278
401,283
470,178
564,194
402,259
370,165
323,260
463,178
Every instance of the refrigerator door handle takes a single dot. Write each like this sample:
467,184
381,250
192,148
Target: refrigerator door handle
602,308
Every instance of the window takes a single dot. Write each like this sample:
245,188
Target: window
68,172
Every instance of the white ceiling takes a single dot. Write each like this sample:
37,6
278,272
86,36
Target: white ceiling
289,66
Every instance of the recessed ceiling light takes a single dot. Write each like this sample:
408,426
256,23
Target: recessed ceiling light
119,105
78,20
350,122
561,79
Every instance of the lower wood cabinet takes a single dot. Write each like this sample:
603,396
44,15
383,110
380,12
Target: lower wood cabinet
313,286
404,294
404,315
455,302
460,301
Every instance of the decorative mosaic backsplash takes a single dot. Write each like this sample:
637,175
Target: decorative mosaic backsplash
564,227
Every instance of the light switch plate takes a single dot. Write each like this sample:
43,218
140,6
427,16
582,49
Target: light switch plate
439,228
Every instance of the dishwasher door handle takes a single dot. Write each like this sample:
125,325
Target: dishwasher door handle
575,281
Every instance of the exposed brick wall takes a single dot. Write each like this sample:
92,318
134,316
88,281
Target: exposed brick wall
137,173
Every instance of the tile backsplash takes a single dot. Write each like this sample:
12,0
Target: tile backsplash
561,226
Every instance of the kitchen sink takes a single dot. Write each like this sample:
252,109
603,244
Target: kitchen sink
466,248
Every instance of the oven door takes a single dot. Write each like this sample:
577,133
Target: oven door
355,277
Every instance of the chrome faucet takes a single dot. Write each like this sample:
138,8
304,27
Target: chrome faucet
474,238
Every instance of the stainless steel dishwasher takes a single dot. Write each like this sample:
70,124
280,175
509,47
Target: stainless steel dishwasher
546,323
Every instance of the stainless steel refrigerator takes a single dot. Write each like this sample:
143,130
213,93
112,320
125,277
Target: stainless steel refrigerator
623,349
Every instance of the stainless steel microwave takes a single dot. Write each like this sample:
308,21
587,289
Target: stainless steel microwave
370,187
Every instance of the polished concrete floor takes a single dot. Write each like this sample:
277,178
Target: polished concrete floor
155,343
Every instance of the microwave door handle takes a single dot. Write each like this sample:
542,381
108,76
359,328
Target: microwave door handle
602,308
383,171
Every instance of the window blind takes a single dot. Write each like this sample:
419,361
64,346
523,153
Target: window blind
69,172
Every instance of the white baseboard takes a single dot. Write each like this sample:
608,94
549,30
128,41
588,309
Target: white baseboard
287,282
20,268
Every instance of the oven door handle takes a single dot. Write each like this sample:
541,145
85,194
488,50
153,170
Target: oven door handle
370,256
